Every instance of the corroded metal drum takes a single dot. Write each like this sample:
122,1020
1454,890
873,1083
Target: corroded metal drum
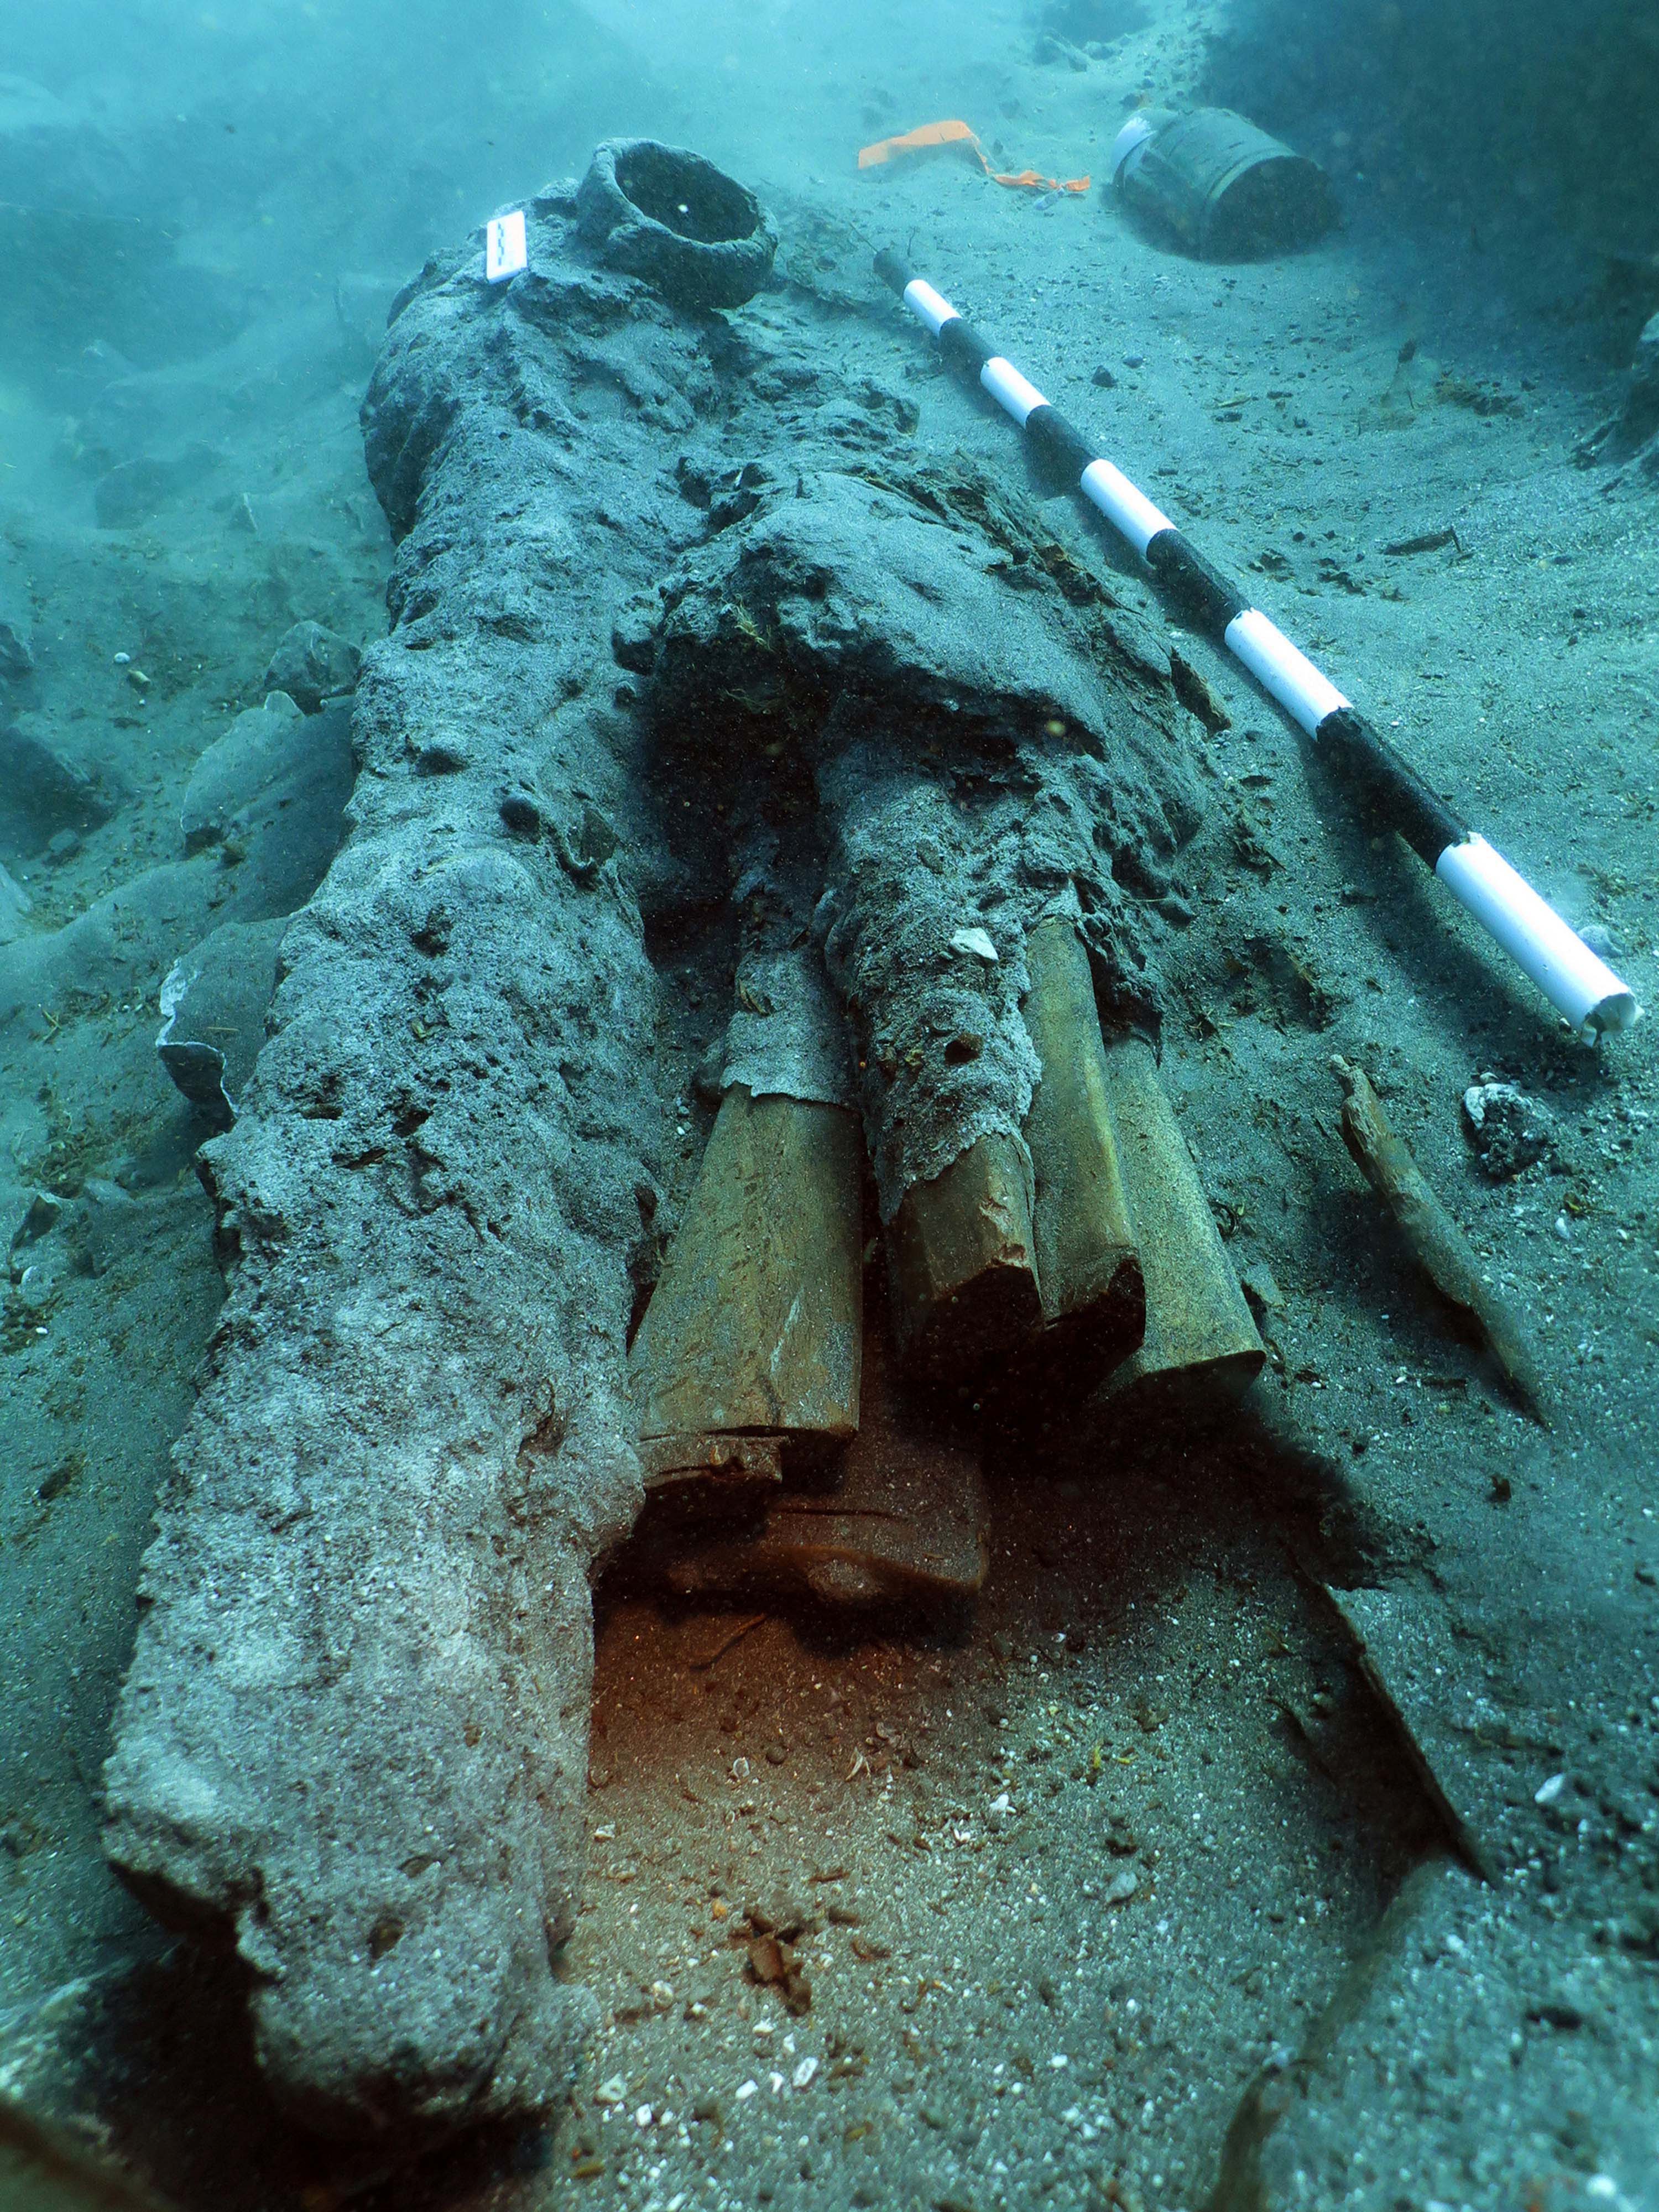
1219,187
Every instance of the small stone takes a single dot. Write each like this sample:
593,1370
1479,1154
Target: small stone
612,2092
977,943
1121,1887
312,664
804,2073
1135,360
1103,379
1511,1132
1548,1792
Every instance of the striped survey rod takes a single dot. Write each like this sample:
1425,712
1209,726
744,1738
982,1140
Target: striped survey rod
1571,977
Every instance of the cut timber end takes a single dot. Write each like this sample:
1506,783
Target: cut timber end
963,1256
1088,1270
907,1523
702,1479
758,1322
1201,1349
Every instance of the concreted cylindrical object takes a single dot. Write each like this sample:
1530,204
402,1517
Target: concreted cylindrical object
1200,1350
672,219
1218,187
1088,1271
963,1259
756,1326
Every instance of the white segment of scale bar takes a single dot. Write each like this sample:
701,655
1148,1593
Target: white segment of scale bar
1012,392
1282,668
1574,979
1127,507
928,306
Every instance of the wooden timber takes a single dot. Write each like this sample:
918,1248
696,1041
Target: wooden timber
907,1523
963,1262
1088,1270
756,1326
1200,1350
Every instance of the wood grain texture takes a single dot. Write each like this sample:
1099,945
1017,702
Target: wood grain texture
757,1323
1201,1346
1088,1270
963,1254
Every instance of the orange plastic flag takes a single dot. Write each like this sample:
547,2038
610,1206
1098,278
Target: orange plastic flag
929,136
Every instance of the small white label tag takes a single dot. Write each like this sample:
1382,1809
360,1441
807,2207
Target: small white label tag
505,249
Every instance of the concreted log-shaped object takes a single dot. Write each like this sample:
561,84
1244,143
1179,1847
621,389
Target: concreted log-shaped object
1200,1351
962,1255
1088,1270
757,1323
353,1740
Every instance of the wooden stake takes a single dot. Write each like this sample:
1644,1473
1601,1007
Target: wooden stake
1201,1347
1437,1244
756,1325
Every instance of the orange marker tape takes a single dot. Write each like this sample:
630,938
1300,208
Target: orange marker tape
927,136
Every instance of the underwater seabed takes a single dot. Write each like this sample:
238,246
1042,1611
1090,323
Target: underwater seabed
1275,1828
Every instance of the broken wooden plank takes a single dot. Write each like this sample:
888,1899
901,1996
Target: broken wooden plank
1402,1648
907,1523
723,1478
757,1323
